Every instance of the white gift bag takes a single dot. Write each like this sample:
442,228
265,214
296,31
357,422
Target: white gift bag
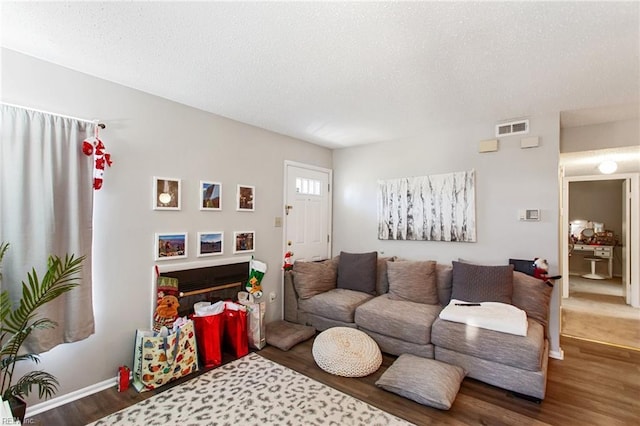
256,329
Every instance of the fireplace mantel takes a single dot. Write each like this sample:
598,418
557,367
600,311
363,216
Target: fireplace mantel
205,280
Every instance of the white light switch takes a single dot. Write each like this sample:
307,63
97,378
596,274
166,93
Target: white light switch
529,215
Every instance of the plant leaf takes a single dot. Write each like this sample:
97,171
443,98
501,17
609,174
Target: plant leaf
47,385
17,324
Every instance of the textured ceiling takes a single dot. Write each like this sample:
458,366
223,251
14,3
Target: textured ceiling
347,73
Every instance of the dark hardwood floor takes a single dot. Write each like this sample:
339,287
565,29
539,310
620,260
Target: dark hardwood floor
595,384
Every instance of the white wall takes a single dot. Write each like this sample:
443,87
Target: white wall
506,181
613,134
149,136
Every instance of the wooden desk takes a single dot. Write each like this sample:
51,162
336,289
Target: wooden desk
606,252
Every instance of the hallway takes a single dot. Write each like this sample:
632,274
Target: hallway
596,310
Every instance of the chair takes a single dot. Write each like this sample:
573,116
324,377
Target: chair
593,275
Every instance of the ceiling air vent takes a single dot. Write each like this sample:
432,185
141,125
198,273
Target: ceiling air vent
512,128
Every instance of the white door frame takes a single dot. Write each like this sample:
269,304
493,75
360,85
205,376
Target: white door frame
288,163
634,232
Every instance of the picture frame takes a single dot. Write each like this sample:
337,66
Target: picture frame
246,198
210,243
244,241
171,245
438,207
167,193
210,195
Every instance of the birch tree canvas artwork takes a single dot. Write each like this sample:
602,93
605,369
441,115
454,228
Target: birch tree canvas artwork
428,208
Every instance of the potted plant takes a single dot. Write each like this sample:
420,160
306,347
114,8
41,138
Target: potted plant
19,321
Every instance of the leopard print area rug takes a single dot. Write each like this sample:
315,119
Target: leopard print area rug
251,391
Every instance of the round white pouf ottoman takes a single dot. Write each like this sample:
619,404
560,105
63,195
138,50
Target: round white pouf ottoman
346,352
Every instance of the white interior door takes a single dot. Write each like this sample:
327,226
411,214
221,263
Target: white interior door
307,211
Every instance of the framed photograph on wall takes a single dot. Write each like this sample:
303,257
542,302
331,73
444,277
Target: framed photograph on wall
244,241
171,245
246,198
210,195
166,193
210,243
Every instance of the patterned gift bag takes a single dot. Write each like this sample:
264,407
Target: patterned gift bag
161,359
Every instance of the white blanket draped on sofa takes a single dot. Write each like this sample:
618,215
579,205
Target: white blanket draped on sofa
490,315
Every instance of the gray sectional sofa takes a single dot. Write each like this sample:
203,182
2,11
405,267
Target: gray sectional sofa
398,302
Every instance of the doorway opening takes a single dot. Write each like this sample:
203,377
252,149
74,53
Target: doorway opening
600,239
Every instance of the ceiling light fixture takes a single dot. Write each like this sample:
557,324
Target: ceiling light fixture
607,167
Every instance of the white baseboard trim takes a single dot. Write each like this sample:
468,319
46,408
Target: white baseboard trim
70,397
559,354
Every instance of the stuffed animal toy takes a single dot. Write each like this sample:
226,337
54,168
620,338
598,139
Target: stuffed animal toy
253,286
288,261
541,268
166,313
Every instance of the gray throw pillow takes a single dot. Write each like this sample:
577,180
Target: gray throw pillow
479,283
423,380
358,271
414,281
311,278
533,296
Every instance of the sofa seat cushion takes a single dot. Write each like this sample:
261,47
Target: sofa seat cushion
525,352
404,320
338,304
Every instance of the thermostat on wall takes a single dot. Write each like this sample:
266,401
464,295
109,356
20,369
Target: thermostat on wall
529,214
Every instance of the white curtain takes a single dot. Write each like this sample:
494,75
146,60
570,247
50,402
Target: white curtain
46,207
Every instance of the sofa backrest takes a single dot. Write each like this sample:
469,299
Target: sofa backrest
382,281
533,296
529,294
290,299
444,281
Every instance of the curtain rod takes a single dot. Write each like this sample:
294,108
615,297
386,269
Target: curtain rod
96,121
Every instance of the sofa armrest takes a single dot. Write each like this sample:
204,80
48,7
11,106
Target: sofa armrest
290,299
533,296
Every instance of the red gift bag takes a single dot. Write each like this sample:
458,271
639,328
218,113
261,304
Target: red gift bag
235,329
209,331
